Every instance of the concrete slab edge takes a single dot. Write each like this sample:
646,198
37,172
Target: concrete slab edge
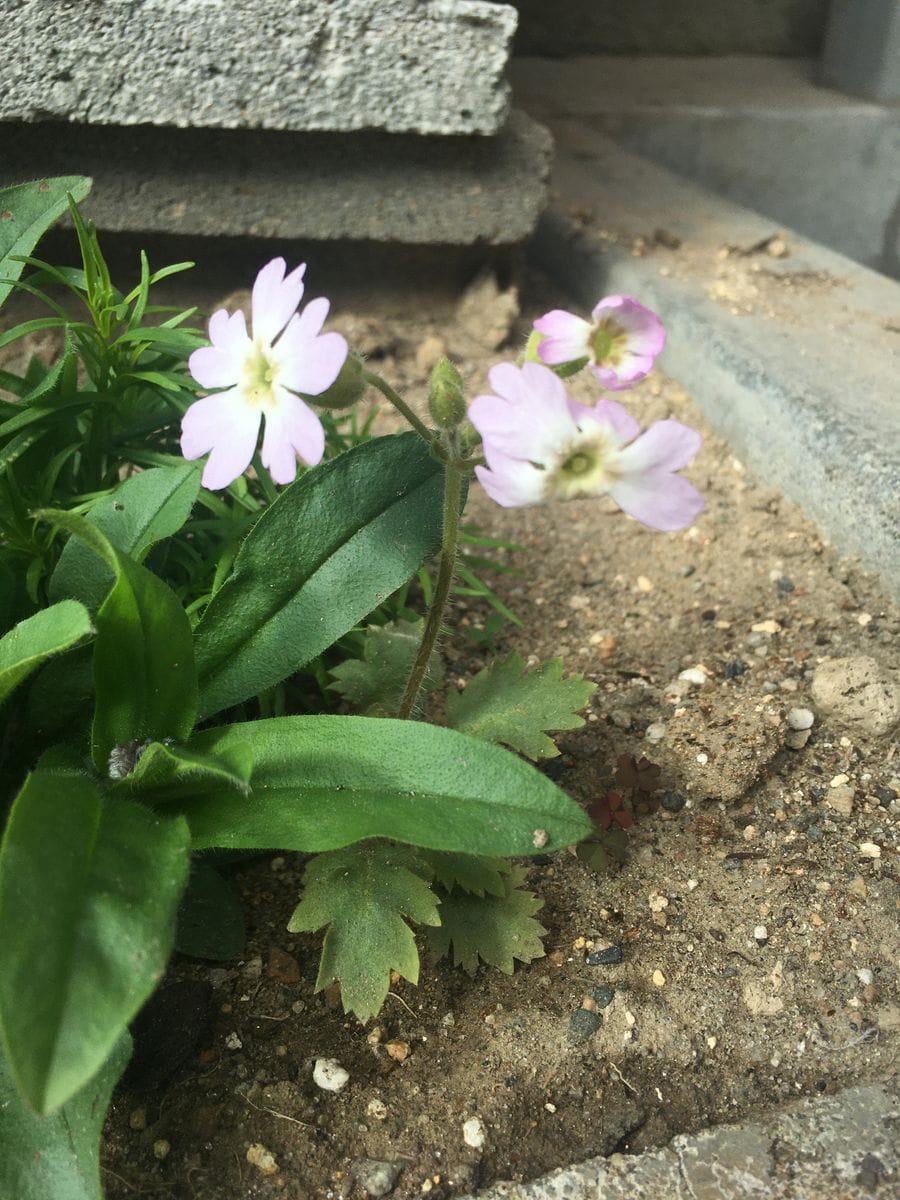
806,395
840,1147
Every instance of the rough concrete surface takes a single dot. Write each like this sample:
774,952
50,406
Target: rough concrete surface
757,130
364,186
841,1147
423,66
792,355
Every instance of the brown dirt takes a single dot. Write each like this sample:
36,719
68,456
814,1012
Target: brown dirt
708,1021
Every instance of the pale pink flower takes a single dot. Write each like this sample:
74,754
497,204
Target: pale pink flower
620,342
541,445
260,373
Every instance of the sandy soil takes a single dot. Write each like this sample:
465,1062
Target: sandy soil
756,912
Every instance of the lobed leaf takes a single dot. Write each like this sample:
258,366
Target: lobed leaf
505,703
362,893
374,684
492,929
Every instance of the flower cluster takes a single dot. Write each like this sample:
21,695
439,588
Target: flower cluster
540,445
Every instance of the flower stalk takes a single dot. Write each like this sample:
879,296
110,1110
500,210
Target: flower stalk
400,404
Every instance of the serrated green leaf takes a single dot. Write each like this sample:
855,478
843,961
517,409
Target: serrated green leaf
144,678
89,887
492,929
27,211
138,513
505,703
325,554
374,684
362,893
34,640
322,782
471,872
56,1157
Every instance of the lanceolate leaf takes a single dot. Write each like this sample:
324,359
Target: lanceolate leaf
493,929
505,703
362,893
331,548
144,677
89,886
139,512
321,782
36,639
27,211
56,1157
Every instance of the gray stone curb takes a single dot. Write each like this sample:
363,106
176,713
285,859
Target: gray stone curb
298,186
796,365
841,1147
406,66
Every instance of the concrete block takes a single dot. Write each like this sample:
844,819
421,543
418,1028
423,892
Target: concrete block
423,66
316,186
793,359
759,131
862,48
839,1147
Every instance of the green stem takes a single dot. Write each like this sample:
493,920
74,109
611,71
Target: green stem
447,564
400,404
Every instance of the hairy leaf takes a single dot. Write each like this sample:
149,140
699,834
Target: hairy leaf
362,893
56,1157
321,782
27,211
493,929
165,774
36,639
138,513
505,703
374,684
471,872
89,886
331,548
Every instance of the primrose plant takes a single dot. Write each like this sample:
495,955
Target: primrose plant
207,650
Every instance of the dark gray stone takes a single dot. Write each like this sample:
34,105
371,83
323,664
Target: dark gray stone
862,48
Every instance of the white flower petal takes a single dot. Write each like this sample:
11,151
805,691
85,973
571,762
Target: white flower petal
665,446
659,499
513,484
226,426
309,365
292,428
275,299
529,418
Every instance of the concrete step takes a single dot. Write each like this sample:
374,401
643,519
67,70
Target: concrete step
759,131
405,66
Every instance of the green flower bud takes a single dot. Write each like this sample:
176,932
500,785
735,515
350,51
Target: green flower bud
530,353
446,396
349,386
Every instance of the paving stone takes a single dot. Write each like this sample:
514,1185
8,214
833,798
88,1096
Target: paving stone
398,65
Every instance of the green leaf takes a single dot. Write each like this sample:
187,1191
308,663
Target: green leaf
505,703
374,684
56,1157
134,516
210,916
27,211
471,872
331,548
144,676
322,782
33,641
169,773
362,893
89,886
493,929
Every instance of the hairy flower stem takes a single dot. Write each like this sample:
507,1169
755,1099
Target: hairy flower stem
400,404
447,564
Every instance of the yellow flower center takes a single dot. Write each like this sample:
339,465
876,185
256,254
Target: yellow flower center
608,342
582,469
259,376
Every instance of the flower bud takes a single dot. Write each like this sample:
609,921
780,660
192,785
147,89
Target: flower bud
349,386
446,398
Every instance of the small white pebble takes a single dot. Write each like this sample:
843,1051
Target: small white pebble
329,1075
659,980
864,619
712,1042
474,1133
378,1109
693,675
702,758
261,1158
800,718
655,732
692,884
839,780
233,1042
761,933
869,850
161,1149
644,584
865,976
749,833
550,1106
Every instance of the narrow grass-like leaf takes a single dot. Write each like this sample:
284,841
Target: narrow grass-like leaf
322,782
331,548
89,887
